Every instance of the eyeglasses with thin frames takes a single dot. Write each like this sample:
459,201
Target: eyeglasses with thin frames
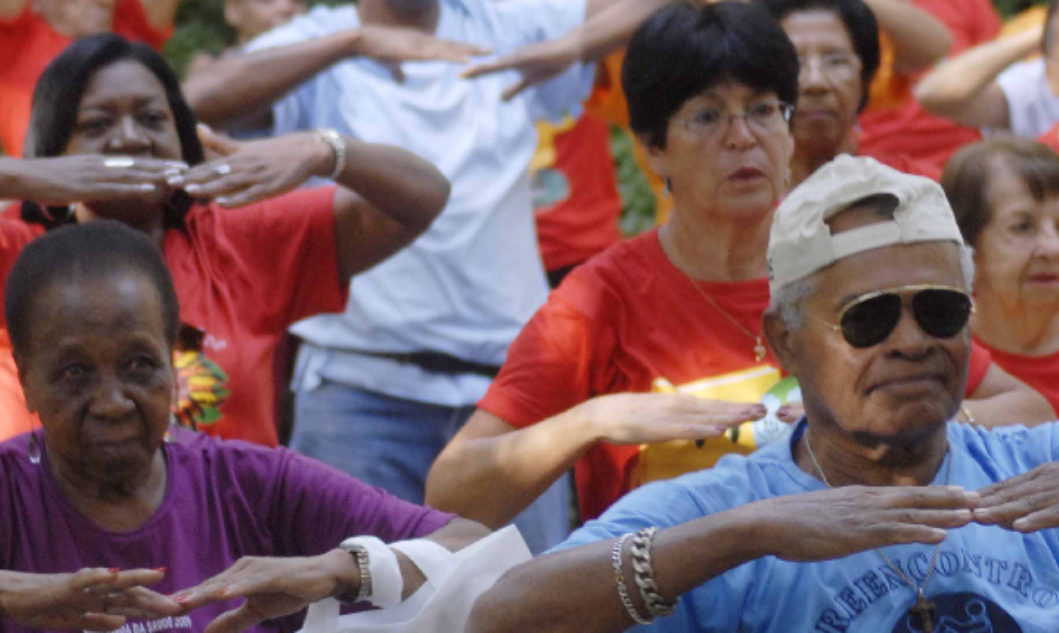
760,116
867,320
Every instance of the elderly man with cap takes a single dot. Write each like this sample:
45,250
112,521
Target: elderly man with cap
878,513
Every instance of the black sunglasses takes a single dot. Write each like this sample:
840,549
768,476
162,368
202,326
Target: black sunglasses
940,311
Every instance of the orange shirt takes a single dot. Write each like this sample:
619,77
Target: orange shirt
630,321
27,46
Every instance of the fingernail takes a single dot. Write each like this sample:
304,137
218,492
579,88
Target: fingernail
224,201
161,569
193,189
180,599
176,164
223,592
114,570
784,410
174,180
205,127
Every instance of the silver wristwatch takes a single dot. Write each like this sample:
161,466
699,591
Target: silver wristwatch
360,555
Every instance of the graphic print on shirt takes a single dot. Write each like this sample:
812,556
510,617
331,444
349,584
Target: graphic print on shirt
201,383
764,384
1003,579
964,613
156,626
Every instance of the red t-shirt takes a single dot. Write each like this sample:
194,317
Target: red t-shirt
630,321
243,277
1039,372
576,201
28,44
907,129
1051,138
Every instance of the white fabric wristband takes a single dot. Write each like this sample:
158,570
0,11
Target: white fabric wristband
386,581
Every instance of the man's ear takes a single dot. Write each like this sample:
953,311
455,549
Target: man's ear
781,340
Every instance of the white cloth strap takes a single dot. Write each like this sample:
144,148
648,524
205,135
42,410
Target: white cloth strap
386,581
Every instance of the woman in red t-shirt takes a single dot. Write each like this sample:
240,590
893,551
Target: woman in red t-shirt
112,137
1005,193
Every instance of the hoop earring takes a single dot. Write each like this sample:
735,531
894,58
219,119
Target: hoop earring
667,187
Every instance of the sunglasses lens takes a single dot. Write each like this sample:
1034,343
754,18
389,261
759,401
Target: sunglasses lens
869,322
941,313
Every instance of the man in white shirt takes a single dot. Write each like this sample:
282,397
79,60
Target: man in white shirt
382,387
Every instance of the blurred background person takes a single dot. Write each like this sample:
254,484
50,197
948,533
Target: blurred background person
33,32
1005,193
991,86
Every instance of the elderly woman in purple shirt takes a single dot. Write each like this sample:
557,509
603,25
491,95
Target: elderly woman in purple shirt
106,484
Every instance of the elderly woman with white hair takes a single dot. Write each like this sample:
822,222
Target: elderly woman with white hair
879,512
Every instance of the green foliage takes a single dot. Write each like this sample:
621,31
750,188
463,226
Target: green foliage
637,199
1008,8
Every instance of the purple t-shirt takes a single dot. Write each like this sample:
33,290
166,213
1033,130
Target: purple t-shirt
223,500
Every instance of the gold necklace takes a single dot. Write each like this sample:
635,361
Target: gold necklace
759,347
923,611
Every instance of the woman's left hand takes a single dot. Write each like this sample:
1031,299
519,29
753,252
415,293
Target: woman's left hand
90,599
273,587
1026,503
245,172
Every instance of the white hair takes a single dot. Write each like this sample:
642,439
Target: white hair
789,300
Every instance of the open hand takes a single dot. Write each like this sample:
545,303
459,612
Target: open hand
392,45
642,418
1025,503
273,587
835,523
244,172
91,599
91,177
536,63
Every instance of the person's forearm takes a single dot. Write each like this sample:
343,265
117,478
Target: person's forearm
1022,407
920,40
160,13
228,88
951,90
492,479
12,8
402,185
536,595
610,27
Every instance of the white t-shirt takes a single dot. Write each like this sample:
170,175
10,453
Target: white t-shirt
468,285
1032,107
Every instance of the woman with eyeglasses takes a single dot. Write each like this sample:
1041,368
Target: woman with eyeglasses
648,362
1005,193
838,54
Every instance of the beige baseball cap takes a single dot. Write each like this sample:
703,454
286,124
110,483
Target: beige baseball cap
801,243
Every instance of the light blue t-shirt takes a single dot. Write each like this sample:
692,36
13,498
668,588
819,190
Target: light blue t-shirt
987,579
468,285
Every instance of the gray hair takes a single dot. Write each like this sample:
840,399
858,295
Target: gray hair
789,300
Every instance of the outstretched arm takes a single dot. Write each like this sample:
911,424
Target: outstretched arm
12,8
920,40
274,587
160,13
964,89
575,590
91,599
1002,399
491,470
388,196
237,83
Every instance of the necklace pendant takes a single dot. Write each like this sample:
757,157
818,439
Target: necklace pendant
923,613
759,350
